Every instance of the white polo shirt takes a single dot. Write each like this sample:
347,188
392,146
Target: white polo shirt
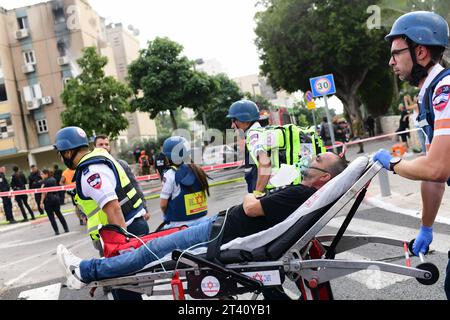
170,189
98,182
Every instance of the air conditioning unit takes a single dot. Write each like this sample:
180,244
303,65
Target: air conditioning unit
62,61
34,104
46,101
28,68
22,34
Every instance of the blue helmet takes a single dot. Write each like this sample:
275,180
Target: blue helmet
176,149
71,138
422,27
244,111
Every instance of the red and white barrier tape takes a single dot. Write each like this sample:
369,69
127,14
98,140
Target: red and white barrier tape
11,194
340,144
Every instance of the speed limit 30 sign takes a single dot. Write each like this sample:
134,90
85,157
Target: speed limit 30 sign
323,86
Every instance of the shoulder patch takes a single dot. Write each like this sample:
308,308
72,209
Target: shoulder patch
95,181
441,98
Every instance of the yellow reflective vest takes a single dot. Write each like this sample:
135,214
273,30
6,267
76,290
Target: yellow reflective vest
130,201
286,145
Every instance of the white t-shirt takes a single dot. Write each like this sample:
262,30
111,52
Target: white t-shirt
441,99
98,182
256,140
170,190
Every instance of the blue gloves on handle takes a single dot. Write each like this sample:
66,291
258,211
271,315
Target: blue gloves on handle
423,240
384,157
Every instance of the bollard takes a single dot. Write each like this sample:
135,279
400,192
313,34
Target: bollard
384,183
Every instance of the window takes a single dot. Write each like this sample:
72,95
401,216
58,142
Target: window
23,23
62,48
29,57
42,126
6,129
3,95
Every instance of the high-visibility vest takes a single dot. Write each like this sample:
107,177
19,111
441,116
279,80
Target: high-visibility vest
288,145
191,203
130,201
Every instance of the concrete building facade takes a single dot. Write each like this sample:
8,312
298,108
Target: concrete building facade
39,46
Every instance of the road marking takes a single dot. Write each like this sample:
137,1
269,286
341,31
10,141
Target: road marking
374,228
27,259
379,203
44,293
372,278
14,281
16,244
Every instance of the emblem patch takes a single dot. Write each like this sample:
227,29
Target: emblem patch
95,181
441,98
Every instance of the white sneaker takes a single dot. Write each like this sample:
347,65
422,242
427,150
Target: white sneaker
71,267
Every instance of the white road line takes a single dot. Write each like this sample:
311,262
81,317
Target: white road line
379,203
26,259
12,282
372,278
10,245
44,293
374,228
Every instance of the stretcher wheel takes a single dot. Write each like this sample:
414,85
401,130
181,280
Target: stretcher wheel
410,246
434,273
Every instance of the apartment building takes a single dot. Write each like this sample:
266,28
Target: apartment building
257,85
126,49
39,46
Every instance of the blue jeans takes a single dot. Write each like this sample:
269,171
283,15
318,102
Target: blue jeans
251,178
135,261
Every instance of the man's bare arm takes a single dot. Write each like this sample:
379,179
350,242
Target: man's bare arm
264,172
435,167
114,213
252,207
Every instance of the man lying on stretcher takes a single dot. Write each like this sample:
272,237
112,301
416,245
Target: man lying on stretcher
253,216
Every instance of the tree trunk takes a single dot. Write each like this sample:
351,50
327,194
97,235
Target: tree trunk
173,119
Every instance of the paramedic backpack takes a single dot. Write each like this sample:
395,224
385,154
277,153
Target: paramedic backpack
288,145
426,115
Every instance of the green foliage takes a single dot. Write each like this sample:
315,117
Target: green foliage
305,116
93,101
164,124
163,80
301,39
227,93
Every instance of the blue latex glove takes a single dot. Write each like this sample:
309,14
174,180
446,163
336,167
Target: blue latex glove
384,157
423,240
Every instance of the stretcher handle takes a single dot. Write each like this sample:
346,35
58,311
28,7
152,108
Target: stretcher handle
252,284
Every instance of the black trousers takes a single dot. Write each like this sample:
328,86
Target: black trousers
7,206
38,198
53,208
22,201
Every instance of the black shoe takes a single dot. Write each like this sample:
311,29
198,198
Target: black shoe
67,231
32,219
57,233
25,220
13,222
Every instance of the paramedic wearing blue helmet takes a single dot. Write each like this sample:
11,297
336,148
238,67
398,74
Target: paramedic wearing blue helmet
185,188
419,40
244,116
103,190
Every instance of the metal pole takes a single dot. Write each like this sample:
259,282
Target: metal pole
314,119
384,183
330,125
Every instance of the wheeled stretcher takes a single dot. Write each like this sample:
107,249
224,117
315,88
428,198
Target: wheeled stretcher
291,250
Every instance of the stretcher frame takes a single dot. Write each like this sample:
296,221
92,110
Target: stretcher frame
292,265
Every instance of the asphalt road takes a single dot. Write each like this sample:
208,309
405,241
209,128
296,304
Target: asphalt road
28,254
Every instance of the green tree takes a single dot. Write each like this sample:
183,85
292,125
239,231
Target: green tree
93,101
301,39
163,80
227,93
